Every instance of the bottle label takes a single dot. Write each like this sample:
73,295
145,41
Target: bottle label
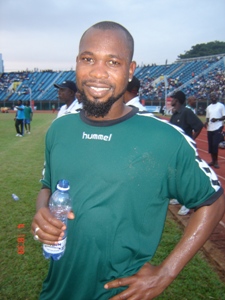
55,249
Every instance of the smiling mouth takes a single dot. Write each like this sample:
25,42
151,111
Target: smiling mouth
99,89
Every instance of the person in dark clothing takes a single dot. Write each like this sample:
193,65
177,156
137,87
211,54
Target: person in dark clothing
19,119
184,117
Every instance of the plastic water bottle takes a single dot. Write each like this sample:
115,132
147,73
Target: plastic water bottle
59,205
15,197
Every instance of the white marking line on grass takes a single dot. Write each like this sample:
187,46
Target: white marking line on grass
221,223
198,139
202,141
220,177
202,150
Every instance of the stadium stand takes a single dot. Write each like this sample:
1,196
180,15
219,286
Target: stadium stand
196,76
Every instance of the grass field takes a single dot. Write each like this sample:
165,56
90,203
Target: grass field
21,274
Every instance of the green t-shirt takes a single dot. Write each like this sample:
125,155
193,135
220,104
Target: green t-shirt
27,112
122,174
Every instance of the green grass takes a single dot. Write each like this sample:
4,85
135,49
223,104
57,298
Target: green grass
21,162
21,275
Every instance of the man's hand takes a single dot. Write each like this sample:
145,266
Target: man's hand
214,120
51,230
148,283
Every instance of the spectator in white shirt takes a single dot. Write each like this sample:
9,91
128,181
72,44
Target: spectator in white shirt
67,94
131,97
215,116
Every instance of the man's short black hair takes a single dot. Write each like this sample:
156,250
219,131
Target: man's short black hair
134,85
180,96
110,25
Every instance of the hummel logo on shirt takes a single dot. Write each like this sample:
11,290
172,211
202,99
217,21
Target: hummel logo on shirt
94,136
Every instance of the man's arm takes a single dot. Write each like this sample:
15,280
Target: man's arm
19,108
195,134
151,281
218,119
194,122
31,114
50,230
206,123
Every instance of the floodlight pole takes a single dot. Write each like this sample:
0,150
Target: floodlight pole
166,84
30,92
31,103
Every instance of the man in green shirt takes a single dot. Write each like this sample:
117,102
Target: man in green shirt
122,177
28,116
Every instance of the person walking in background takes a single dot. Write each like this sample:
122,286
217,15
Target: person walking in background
123,168
53,108
191,103
28,114
131,97
185,118
67,94
215,115
19,119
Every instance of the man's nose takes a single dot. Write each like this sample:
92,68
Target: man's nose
99,70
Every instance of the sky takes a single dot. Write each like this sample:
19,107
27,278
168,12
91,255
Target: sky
45,34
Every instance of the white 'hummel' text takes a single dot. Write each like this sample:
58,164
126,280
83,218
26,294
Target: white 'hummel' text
94,136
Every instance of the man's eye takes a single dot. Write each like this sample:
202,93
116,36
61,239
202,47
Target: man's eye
87,59
113,63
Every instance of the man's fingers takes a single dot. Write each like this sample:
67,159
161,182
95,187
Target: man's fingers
46,228
53,222
47,232
71,215
48,238
124,295
45,219
119,282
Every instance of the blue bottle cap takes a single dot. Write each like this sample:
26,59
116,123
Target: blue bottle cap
63,185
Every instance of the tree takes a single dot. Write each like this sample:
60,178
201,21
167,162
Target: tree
205,49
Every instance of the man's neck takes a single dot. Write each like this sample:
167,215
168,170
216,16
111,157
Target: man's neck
69,102
178,107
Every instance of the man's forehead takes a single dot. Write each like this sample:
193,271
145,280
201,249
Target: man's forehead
109,42
105,36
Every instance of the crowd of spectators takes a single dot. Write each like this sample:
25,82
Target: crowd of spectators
202,86
7,79
199,86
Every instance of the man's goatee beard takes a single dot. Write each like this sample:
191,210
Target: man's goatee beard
98,109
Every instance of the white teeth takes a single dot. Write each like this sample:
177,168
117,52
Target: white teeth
99,89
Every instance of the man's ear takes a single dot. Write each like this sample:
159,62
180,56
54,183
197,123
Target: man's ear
132,69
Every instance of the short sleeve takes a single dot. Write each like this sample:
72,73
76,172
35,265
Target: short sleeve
191,172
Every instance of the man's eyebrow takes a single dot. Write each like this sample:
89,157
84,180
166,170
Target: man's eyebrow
86,53
108,55
114,56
